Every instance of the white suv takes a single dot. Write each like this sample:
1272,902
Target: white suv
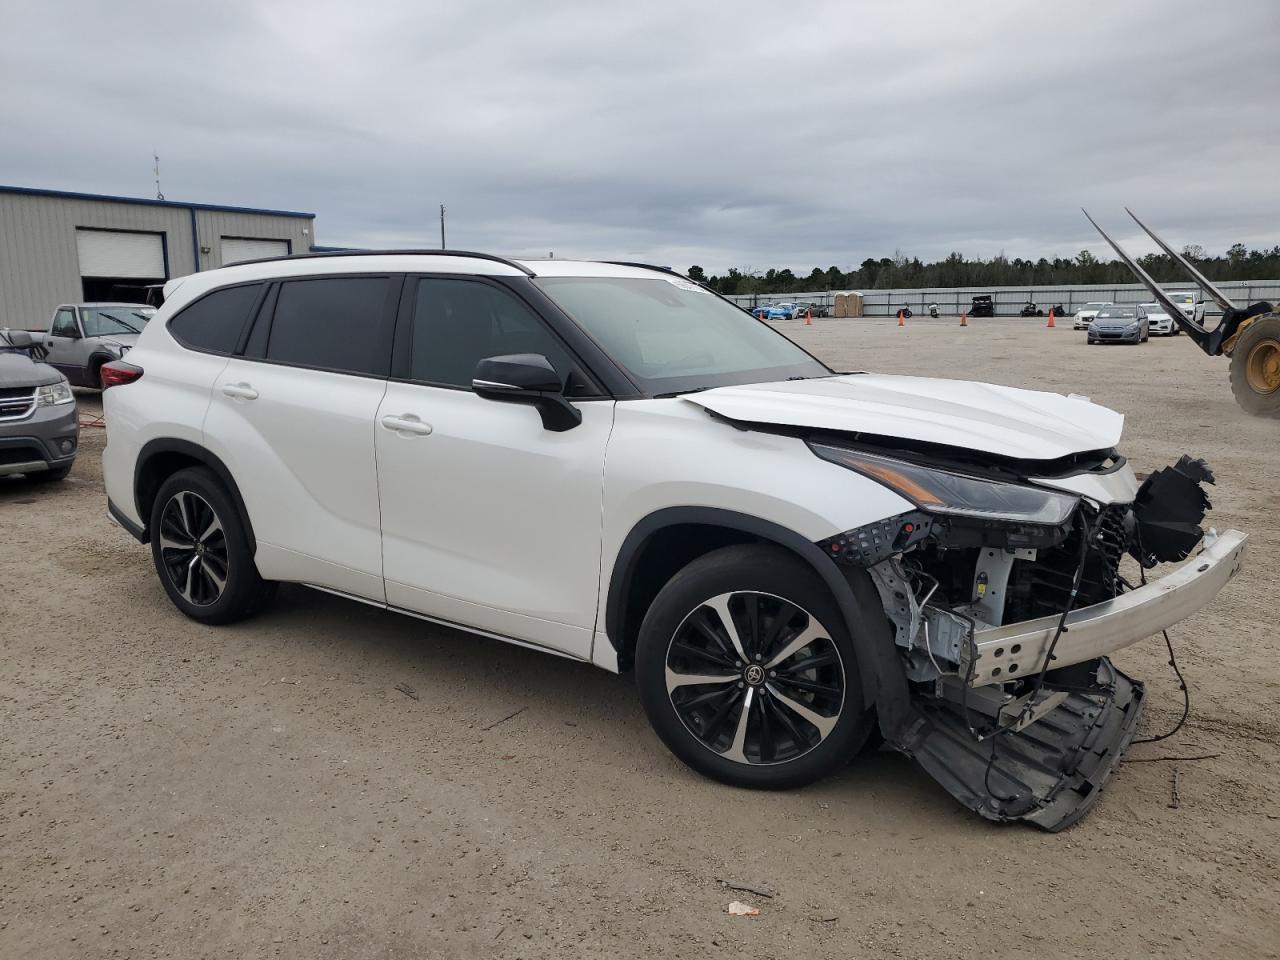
611,463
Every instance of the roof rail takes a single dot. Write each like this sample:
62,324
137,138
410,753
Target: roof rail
469,254
645,266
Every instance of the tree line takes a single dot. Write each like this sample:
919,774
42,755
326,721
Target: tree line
957,270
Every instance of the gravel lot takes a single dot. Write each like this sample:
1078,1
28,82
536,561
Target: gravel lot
264,790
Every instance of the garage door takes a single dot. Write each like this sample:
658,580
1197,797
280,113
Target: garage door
110,253
235,249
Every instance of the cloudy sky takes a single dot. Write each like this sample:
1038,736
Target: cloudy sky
725,134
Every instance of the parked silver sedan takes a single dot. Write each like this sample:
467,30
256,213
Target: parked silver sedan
1120,323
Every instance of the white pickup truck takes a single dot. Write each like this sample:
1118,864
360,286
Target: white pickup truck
84,336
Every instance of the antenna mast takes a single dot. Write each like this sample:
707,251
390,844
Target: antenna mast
155,155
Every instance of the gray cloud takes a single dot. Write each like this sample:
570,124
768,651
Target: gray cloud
747,134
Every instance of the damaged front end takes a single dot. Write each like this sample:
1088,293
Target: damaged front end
1006,596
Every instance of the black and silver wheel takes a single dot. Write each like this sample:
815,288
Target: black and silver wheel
193,548
201,550
747,672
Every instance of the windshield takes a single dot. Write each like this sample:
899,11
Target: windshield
1181,298
1117,313
1094,306
672,336
103,321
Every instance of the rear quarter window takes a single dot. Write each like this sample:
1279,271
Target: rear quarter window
213,323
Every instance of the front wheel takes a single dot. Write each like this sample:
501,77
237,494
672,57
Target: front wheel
747,671
200,547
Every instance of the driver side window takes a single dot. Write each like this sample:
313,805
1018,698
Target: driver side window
64,324
458,323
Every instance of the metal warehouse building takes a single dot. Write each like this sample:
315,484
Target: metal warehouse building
58,247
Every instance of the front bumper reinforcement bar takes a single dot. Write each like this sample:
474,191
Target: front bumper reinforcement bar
1018,649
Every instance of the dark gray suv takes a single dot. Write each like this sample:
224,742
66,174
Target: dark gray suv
39,427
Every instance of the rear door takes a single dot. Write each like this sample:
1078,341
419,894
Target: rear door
488,519
293,419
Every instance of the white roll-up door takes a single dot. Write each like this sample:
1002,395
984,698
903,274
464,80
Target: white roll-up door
235,249
110,253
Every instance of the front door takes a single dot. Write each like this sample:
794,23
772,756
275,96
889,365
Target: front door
489,520
63,344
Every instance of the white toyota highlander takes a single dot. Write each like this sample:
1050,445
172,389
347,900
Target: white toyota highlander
611,463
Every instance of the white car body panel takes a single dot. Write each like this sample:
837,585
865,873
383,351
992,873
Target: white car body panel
1007,421
303,455
774,478
1119,486
169,403
491,520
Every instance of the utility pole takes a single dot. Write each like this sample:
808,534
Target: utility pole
442,246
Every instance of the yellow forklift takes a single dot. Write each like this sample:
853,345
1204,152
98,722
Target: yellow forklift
1250,336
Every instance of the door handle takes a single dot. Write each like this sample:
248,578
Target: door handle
239,391
407,423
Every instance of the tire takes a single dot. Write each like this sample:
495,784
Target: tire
1255,367
221,582
683,633
50,476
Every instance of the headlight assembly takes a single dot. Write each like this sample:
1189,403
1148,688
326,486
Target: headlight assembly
52,394
952,494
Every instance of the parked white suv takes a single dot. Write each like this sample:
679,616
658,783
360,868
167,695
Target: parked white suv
611,463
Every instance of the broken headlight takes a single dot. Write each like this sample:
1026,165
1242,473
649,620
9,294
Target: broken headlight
952,494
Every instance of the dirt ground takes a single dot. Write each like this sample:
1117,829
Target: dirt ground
264,790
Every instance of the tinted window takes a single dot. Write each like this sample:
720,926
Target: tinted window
214,322
333,324
457,323
64,324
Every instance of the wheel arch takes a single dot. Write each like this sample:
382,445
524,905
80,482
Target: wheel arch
646,561
92,378
160,458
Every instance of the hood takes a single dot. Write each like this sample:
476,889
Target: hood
1006,421
1114,323
19,370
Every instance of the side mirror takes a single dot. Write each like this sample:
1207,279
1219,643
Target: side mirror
527,378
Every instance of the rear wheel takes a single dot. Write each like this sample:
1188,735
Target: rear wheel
201,550
747,671
1255,367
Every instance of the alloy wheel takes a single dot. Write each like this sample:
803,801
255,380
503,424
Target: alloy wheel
193,548
755,678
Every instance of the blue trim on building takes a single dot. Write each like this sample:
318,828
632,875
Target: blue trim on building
68,195
195,242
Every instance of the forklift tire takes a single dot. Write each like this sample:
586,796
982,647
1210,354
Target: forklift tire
1255,367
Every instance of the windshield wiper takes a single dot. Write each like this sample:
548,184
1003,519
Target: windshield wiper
678,393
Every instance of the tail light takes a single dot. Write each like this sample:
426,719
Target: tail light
117,373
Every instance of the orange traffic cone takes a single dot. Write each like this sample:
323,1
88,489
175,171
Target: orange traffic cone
964,319
1050,323
808,318
901,322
